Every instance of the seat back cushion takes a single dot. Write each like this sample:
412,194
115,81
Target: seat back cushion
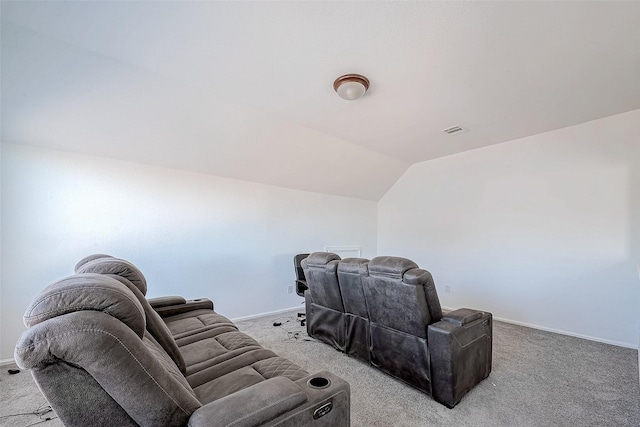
320,269
401,296
350,274
156,326
323,300
399,314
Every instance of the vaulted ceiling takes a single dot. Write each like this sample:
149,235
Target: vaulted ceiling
244,89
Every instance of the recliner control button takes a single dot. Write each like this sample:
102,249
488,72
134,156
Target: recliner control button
323,410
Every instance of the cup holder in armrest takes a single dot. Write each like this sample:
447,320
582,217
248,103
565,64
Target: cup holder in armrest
319,382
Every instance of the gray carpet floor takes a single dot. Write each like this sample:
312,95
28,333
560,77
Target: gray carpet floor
539,379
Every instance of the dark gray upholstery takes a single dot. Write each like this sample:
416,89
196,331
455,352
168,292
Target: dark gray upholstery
412,341
325,309
401,296
461,354
396,293
94,348
393,320
351,272
301,280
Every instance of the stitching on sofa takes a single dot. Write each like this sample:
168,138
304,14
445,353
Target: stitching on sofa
122,344
47,313
483,336
260,409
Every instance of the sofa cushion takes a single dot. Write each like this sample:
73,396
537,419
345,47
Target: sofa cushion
184,324
247,376
155,326
206,349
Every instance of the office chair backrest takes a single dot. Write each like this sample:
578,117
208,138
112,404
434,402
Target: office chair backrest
301,281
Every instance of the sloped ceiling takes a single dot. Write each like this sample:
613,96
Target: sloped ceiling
244,89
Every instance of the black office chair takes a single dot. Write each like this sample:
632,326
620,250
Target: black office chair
301,282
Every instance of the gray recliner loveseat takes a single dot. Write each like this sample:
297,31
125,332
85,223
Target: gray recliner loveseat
104,355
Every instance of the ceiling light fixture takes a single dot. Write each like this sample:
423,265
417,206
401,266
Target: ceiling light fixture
351,86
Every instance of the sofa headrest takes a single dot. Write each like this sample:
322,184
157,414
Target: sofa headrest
358,266
390,266
320,259
87,292
118,267
89,258
417,276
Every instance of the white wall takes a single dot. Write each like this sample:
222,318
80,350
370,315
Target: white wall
190,234
543,230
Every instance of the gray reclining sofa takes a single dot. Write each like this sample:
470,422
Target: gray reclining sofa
386,312
104,355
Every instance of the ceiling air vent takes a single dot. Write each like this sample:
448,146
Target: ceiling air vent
453,130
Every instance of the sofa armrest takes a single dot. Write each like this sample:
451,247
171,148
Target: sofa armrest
183,306
462,316
166,301
461,353
251,406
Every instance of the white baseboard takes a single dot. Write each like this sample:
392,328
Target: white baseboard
4,362
561,332
255,316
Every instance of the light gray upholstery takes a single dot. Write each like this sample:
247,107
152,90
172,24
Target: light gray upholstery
101,329
89,258
325,314
105,264
191,351
94,348
122,270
